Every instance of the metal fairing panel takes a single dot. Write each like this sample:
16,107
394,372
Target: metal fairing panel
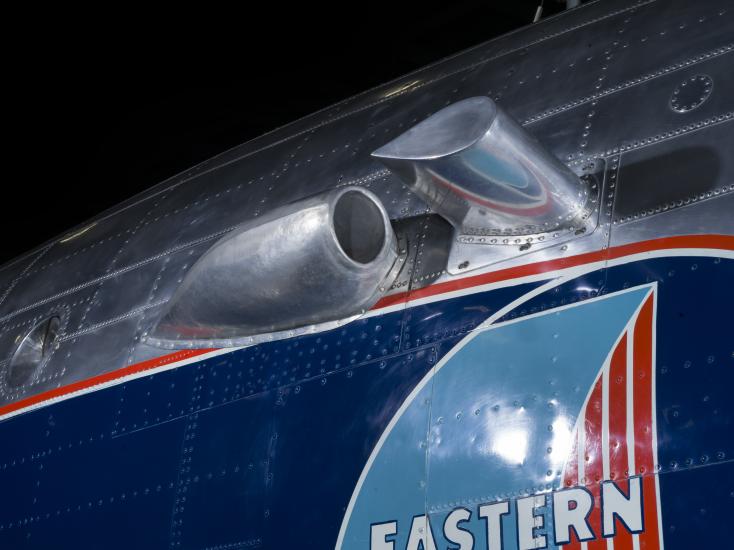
572,393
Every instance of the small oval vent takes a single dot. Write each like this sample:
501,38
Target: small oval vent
34,349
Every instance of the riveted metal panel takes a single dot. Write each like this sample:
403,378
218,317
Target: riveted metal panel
675,173
640,114
673,33
308,487
81,259
225,474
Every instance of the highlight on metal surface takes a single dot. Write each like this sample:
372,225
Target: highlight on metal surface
691,93
34,348
484,173
307,266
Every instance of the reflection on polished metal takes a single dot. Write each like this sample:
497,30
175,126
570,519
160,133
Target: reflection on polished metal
497,372
484,173
691,93
33,350
309,265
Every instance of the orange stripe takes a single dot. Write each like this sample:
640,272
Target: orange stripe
102,378
643,424
571,471
618,464
594,465
724,242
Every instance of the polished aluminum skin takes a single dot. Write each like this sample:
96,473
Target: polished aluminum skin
33,350
338,246
478,168
593,86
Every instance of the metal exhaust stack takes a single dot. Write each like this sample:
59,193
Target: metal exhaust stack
478,168
307,266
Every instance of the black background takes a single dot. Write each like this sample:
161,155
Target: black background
100,106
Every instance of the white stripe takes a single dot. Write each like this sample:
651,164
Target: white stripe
608,359
605,419
559,274
120,380
592,266
569,306
581,452
559,277
607,362
630,400
605,427
630,414
419,387
655,416
635,542
505,283
489,324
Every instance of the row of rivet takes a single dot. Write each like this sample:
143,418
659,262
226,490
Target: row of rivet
89,504
723,190
530,234
630,83
643,142
40,376
418,84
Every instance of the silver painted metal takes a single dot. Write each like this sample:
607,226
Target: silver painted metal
484,173
592,84
691,93
675,173
507,250
33,350
306,266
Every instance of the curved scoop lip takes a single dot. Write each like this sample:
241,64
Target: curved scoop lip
448,131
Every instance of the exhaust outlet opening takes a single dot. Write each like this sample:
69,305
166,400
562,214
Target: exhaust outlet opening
306,266
359,226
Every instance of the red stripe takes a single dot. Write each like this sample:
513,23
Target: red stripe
594,465
650,537
534,211
571,471
618,460
643,423
723,242
102,378
643,436
618,464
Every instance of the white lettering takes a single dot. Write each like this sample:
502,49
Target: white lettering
628,510
570,514
528,523
566,517
421,536
455,534
379,532
493,513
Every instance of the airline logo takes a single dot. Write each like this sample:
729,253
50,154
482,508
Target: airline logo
532,433
572,510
